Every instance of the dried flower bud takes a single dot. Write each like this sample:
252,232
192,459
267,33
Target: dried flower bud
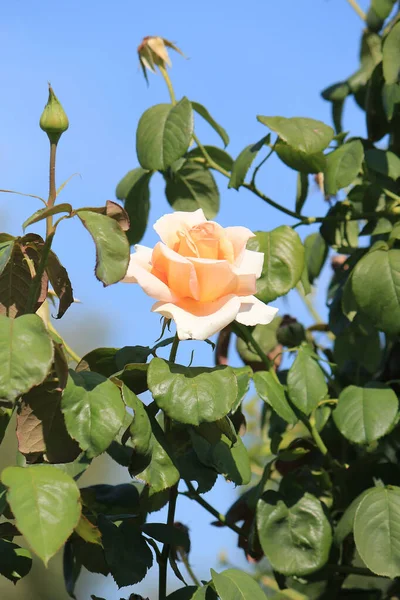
179,551
53,121
338,262
153,53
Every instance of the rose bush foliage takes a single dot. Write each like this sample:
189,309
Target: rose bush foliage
318,477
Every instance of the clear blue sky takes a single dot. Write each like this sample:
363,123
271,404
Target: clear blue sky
245,58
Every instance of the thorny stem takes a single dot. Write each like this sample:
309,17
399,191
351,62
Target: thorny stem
52,186
163,561
173,494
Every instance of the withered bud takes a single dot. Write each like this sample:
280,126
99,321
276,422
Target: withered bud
153,53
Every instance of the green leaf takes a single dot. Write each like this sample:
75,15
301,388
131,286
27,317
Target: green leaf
134,376
43,213
363,415
203,112
243,376
383,162
112,246
161,473
342,166
244,161
206,592
46,506
140,432
192,395
336,92
301,191
346,523
134,190
238,585
307,135
185,593
61,283
15,562
126,550
295,535
222,158
26,355
390,54
377,123
358,345
376,531
306,382
316,252
341,233
378,11
191,187
167,534
6,250
111,499
283,262
100,360
163,135
299,160
265,336
273,393
214,449
390,98
93,411
375,283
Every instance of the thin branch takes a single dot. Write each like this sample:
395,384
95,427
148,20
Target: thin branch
358,9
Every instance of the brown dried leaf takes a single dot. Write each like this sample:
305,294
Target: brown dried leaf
17,277
40,422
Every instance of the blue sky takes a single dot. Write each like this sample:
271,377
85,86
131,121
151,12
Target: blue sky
259,57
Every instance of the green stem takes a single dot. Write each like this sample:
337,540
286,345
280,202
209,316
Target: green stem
258,167
67,348
34,290
184,558
243,332
193,495
52,186
174,349
358,9
350,570
168,81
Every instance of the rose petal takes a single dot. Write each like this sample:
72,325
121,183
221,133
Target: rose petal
179,272
168,225
251,262
254,312
139,272
238,236
199,320
215,277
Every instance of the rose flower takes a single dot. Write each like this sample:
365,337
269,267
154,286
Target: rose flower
201,274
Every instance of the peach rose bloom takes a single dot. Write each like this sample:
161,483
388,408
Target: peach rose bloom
201,274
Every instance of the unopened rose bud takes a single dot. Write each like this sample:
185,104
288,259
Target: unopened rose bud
53,121
153,53
290,332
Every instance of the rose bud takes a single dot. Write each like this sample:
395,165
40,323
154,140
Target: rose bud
53,121
290,332
153,53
